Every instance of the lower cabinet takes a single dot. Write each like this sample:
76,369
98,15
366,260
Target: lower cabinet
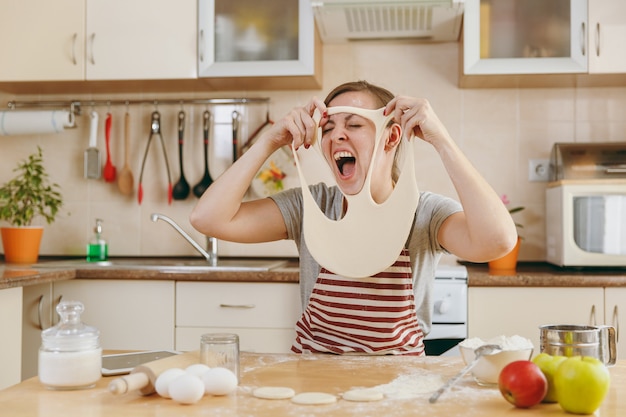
495,311
262,314
10,329
615,313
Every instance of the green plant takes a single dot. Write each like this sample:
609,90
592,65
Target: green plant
30,194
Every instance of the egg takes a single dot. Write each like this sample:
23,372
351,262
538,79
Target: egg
219,381
197,369
163,381
186,389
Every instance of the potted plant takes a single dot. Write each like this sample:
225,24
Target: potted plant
508,263
29,195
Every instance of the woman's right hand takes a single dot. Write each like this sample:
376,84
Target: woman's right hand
297,126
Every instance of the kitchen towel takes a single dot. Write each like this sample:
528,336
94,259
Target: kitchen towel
14,122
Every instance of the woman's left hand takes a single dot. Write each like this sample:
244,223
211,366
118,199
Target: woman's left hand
417,115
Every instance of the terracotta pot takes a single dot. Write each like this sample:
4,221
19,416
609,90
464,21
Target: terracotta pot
21,244
507,264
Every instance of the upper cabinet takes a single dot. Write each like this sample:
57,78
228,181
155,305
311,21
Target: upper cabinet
42,40
248,38
544,37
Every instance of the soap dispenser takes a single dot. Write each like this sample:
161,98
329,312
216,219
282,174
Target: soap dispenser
97,248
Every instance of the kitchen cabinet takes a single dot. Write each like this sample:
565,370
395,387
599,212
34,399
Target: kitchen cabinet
69,40
37,314
11,331
615,313
244,38
262,314
539,37
494,311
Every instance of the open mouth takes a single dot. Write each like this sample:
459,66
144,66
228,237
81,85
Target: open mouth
346,163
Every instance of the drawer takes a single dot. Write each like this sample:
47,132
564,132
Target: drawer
250,340
228,304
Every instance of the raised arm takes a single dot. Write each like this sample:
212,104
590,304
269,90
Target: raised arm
485,229
221,212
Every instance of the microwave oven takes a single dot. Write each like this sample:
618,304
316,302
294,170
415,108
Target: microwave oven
586,224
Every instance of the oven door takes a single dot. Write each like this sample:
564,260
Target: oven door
449,326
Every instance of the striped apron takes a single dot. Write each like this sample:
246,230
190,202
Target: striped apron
374,315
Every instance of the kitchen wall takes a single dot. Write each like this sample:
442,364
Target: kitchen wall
499,130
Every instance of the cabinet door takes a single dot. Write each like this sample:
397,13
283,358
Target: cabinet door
248,38
11,330
130,314
525,36
141,39
37,315
42,40
607,32
495,311
615,313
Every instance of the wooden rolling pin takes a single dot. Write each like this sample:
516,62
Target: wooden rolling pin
143,377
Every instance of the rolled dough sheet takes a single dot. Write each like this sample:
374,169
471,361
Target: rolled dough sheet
274,393
363,395
314,398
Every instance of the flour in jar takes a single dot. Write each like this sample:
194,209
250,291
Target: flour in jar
505,342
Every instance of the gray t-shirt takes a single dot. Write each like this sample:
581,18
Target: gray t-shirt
424,249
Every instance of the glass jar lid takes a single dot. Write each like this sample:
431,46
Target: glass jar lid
70,334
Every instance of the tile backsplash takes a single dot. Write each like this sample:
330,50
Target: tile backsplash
498,129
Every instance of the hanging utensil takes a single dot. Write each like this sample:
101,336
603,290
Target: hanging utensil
92,162
125,181
235,117
109,168
206,180
480,351
155,129
181,188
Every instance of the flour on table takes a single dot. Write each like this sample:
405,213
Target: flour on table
314,398
411,385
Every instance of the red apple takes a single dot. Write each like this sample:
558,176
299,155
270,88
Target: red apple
522,383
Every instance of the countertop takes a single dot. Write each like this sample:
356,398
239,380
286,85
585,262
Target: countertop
531,274
406,381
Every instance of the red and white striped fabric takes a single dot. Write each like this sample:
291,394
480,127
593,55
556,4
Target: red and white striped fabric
362,315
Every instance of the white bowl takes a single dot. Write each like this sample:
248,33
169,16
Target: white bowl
487,369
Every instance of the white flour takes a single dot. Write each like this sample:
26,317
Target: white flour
506,343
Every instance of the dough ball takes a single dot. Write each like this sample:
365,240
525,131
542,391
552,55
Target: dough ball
363,394
162,383
219,381
314,398
187,389
197,369
273,393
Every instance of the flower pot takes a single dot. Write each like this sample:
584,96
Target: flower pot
506,265
21,244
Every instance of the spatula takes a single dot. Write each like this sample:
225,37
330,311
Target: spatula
92,154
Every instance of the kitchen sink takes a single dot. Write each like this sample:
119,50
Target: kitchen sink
173,265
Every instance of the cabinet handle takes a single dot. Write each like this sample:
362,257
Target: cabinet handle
592,316
74,48
598,39
201,46
40,312
92,39
237,305
55,314
582,39
616,322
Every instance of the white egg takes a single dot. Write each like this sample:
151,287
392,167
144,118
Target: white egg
162,383
187,389
197,369
219,381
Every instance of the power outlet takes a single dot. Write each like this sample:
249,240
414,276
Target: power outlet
538,169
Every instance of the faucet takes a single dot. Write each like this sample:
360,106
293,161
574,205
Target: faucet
210,256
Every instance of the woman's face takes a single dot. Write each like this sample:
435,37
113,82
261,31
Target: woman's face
348,141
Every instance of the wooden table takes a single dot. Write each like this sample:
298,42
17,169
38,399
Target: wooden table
404,379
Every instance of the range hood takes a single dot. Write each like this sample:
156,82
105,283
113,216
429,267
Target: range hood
351,20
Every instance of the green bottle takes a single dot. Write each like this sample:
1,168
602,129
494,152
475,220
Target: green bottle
97,248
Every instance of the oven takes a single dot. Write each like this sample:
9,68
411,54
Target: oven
449,326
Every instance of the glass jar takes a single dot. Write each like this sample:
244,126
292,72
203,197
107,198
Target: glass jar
70,356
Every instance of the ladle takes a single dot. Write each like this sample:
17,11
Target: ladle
125,181
479,352
206,180
181,188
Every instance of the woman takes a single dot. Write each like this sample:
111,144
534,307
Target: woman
389,312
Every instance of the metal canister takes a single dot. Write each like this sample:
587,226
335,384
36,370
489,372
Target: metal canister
579,340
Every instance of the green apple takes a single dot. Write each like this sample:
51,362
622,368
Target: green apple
581,384
548,365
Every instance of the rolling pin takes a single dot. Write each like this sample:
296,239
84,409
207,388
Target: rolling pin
143,377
